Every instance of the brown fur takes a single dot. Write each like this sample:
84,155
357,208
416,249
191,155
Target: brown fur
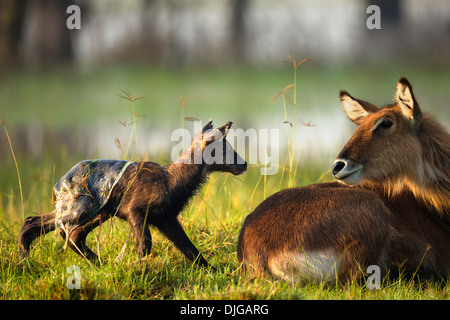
392,210
305,219
148,194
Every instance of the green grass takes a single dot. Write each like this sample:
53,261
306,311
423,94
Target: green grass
213,218
212,221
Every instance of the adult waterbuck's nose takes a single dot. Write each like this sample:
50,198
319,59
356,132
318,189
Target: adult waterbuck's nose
338,166
347,171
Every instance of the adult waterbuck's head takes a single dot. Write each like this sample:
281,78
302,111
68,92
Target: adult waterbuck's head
397,147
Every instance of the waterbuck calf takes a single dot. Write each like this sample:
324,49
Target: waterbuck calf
390,208
142,193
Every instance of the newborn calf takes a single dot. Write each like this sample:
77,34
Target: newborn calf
141,193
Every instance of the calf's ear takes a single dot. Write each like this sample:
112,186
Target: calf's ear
224,129
217,133
207,127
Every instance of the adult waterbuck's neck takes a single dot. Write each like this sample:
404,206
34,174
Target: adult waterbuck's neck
209,151
397,148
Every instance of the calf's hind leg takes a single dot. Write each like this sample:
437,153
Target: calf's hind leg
77,236
77,239
141,232
32,228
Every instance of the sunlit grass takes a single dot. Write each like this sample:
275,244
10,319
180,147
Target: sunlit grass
212,221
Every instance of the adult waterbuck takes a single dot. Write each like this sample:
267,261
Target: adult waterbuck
390,208
142,193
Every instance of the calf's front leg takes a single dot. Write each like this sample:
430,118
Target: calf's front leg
173,230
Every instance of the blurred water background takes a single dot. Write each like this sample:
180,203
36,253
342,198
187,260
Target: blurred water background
225,59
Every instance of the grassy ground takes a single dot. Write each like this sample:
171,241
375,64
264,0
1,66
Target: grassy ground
212,219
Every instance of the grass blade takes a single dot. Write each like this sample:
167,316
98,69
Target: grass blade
17,166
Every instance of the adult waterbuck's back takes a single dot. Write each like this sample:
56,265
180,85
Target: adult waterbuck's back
390,208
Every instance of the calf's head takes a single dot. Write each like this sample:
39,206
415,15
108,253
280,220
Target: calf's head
386,146
211,149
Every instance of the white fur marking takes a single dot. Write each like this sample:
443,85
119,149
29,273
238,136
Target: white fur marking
313,265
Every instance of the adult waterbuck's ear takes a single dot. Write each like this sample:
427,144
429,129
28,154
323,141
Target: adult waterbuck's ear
356,109
405,98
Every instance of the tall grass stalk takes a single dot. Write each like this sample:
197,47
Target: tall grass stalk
135,132
128,96
17,167
290,148
183,102
265,175
293,124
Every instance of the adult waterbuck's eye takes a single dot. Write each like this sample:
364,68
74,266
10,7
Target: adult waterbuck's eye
384,124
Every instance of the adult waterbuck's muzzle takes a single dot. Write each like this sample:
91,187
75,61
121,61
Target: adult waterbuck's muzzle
347,171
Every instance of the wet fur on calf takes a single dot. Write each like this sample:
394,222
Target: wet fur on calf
147,194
